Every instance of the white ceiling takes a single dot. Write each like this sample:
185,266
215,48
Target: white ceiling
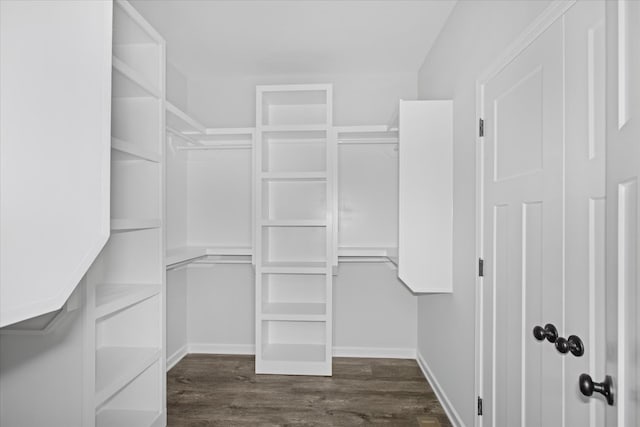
266,37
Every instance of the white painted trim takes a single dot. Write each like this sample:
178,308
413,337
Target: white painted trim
449,409
371,352
375,352
207,348
548,16
176,357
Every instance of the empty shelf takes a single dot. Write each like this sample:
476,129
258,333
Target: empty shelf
133,151
294,176
118,366
114,297
134,224
125,417
129,83
294,311
182,122
294,223
294,352
192,253
295,267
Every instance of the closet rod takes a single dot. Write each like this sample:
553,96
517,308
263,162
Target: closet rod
183,136
217,147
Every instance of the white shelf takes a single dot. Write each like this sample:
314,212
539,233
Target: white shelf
295,267
134,224
294,311
128,83
294,223
191,253
111,298
366,135
293,176
294,352
118,366
303,130
133,151
182,122
125,417
224,259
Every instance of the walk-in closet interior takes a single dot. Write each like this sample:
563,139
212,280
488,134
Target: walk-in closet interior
298,181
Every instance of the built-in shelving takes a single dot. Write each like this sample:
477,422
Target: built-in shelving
126,284
294,173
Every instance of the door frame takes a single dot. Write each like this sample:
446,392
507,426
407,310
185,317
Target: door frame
548,16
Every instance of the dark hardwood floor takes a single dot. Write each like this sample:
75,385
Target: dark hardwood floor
223,390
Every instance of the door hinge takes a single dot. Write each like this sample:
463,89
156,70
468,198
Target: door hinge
480,267
481,128
479,405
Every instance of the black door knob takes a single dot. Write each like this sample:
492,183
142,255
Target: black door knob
587,387
549,332
572,344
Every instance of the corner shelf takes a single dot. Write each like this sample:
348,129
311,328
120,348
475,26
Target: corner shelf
228,255
128,83
122,225
133,151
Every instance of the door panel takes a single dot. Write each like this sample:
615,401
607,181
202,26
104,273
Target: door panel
584,205
623,235
523,283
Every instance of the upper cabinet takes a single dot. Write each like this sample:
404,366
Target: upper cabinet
55,81
425,216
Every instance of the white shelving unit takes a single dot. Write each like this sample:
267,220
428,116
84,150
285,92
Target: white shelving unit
126,285
294,245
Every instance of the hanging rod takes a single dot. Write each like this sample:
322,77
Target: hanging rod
183,136
217,147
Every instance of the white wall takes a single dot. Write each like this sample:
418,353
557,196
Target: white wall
373,312
220,308
176,87
475,35
229,101
41,382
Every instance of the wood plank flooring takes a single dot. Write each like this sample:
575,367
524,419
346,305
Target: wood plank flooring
223,390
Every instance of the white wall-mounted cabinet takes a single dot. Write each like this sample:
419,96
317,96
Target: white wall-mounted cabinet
54,183
425,217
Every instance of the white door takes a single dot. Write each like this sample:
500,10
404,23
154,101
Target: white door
522,248
623,232
543,224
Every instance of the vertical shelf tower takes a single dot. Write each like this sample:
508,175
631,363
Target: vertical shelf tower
126,285
294,245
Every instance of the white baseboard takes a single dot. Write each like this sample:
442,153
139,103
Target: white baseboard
451,412
375,352
206,348
176,357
